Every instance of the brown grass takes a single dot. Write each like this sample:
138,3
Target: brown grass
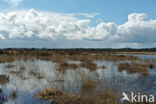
59,97
4,79
18,72
56,58
137,53
108,98
89,65
64,66
151,63
60,56
47,94
133,68
10,65
121,58
15,72
36,74
88,84
102,67
5,58
56,96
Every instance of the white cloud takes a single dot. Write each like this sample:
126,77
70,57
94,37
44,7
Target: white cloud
14,2
32,24
1,36
87,15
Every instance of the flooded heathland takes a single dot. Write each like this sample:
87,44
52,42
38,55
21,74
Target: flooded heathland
74,77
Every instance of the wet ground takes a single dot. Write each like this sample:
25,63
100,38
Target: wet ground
27,78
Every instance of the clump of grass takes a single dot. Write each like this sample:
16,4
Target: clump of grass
6,58
64,66
56,96
36,74
113,57
102,67
57,58
108,98
14,72
151,63
59,97
73,66
10,65
133,68
18,72
88,84
4,79
89,65
49,94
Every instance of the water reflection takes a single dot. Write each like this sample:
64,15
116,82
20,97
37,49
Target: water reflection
26,84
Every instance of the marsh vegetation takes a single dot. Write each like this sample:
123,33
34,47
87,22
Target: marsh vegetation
73,77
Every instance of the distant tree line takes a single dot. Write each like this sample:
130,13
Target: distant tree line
85,49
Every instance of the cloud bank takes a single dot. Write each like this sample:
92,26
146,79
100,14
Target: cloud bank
14,2
36,25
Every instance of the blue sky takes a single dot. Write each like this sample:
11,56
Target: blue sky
110,10
109,22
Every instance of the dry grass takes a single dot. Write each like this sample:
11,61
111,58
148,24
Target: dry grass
15,72
4,79
88,84
60,56
59,97
64,66
36,74
56,96
108,98
56,58
121,58
18,72
151,63
137,53
47,94
5,58
89,65
102,67
133,68
10,65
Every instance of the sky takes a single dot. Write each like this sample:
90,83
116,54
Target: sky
77,23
